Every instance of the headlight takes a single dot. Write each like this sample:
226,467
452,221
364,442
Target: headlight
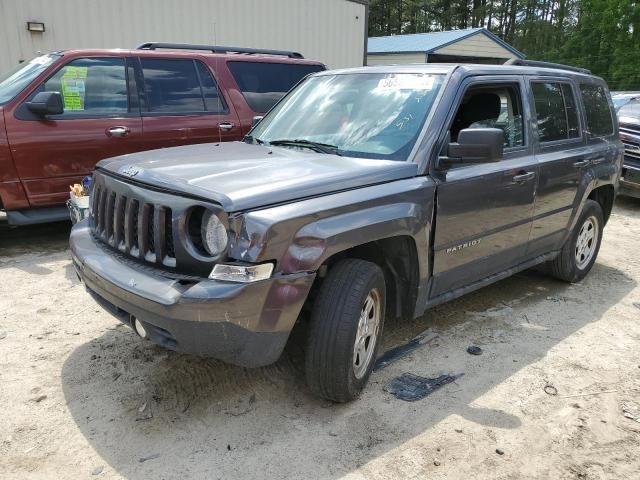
214,234
241,273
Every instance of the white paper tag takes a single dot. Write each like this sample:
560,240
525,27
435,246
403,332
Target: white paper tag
406,81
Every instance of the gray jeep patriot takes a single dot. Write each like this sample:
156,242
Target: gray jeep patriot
364,194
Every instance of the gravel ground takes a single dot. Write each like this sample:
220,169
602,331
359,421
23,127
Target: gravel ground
85,398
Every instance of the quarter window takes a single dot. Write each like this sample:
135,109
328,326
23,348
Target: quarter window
556,113
91,87
179,87
263,84
596,107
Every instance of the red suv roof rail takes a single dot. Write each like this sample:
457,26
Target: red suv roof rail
216,49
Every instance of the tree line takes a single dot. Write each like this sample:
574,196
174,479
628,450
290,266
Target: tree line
601,35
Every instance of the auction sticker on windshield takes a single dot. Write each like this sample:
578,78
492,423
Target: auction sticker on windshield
406,82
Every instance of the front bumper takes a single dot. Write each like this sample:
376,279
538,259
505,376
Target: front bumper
242,324
630,181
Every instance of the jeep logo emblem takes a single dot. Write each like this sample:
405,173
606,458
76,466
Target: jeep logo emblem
130,170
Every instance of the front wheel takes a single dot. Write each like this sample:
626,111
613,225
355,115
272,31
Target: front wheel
581,249
345,330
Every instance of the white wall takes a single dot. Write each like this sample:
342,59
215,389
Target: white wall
332,31
395,58
478,45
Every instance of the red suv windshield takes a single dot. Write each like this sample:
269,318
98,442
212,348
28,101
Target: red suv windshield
14,81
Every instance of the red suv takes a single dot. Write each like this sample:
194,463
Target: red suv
62,112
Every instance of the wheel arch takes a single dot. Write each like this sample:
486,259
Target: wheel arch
605,196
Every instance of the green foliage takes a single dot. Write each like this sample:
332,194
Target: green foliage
601,35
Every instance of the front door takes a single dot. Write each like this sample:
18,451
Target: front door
100,120
484,211
182,104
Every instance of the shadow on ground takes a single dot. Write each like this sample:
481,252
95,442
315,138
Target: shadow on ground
36,241
150,413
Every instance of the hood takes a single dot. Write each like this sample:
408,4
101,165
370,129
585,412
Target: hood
241,176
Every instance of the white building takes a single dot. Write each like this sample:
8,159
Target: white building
332,31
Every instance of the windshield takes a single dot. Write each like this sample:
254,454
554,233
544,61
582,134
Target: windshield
371,115
630,112
621,100
17,79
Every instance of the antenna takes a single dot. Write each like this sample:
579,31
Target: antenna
215,40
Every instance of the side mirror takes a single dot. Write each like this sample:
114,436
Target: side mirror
46,103
475,145
256,120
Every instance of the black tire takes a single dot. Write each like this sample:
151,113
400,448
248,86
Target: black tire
329,359
565,266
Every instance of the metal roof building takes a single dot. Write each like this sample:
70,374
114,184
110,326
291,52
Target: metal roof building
472,45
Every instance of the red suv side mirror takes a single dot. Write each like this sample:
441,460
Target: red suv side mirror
46,103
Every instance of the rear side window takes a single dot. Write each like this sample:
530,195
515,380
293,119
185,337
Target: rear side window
175,86
596,107
556,113
263,84
91,87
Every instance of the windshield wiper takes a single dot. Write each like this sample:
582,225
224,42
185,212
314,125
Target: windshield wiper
316,146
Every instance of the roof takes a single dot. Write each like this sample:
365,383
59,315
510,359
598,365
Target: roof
464,68
429,42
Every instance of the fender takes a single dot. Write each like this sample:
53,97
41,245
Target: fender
301,236
599,174
12,196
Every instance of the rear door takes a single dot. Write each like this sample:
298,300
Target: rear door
101,119
484,211
182,104
562,156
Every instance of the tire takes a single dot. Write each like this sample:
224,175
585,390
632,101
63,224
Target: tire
574,261
333,368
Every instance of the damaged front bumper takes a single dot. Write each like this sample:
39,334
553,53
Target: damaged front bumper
245,324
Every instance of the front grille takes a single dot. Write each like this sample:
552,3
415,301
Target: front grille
630,136
132,226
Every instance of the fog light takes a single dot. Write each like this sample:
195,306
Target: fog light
241,273
140,330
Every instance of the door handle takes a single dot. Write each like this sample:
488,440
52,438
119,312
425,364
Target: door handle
524,177
118,131
226,126
581,163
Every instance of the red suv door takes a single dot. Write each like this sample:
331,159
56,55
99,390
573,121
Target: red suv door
101,119
182,104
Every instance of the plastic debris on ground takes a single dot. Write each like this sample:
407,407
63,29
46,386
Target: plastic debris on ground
402,350
410,387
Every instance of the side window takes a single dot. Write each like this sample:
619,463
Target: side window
175,86
262,84
91,87
556,113
212,99
596,107
497,106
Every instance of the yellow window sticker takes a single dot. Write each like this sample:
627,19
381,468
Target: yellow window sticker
73,87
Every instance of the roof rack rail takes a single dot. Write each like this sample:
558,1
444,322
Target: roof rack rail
216,49
537,63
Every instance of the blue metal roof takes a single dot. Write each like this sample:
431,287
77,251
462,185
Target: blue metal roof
428,42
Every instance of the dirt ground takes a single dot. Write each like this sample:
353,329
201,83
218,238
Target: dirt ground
83,397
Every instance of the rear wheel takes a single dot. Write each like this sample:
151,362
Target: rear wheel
345,330
581,249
